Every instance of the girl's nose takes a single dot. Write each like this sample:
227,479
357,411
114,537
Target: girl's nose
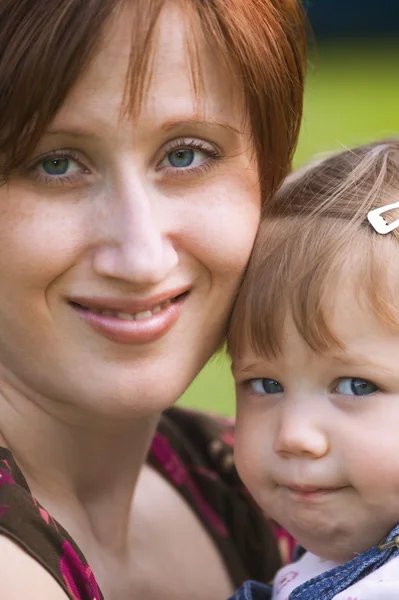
300,432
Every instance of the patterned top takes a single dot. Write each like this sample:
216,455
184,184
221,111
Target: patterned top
371,575
368,576
193,451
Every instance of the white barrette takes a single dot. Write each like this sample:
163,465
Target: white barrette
378,222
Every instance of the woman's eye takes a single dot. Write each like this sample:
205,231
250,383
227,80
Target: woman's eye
266,386
58,166
189,155
186,157
352,386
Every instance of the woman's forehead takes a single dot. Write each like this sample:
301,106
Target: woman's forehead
168,90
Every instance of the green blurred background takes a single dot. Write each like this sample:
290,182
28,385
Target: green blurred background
351,97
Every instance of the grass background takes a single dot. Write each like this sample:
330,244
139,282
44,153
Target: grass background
352,96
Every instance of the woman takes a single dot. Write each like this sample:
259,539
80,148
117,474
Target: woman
137,138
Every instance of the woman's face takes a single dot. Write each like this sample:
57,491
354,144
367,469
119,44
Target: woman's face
122,243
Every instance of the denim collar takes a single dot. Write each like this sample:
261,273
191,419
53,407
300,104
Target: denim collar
332,582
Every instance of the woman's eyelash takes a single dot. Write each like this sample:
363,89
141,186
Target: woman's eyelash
211,152
32,169
191,143
61,153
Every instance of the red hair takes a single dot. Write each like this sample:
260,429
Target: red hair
45,46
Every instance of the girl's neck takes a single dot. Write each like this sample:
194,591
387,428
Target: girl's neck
79,472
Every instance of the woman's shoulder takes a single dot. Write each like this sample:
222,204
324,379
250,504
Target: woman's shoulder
24,577
30,536
194,451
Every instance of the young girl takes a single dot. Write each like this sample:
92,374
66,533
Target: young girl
315,347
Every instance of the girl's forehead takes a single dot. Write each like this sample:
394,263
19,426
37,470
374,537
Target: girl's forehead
366,344
359,332
339,288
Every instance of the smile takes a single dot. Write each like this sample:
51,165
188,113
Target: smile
139,316
130,322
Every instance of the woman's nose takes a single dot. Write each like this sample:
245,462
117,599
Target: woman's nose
136,245
301,432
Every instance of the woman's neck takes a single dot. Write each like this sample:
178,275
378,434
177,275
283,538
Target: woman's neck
78,471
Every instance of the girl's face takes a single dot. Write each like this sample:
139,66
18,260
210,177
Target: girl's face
317,436
122,243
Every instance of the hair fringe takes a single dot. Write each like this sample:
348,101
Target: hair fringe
45,47
313,233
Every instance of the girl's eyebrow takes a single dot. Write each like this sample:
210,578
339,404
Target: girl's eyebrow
242,367
357,360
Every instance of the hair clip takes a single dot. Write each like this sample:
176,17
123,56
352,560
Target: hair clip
378,222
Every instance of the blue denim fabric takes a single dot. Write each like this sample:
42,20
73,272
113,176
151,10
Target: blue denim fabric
332,582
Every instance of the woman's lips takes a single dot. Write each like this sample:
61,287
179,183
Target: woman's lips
127,327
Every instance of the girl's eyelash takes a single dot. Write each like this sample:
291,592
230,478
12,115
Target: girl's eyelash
246,383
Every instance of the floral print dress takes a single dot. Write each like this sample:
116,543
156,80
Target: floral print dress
193,451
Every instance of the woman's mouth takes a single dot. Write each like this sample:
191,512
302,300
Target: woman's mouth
129,322
139,316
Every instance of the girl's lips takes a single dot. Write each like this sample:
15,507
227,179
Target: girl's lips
311,493
124,328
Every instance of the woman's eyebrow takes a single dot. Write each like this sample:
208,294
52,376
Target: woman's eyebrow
74,133
168,126
197,122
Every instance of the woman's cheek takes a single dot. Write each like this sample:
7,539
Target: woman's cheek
224,225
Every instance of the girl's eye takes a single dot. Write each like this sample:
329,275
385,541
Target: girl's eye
266,386
352,386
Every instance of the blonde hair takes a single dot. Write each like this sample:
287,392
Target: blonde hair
313,234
